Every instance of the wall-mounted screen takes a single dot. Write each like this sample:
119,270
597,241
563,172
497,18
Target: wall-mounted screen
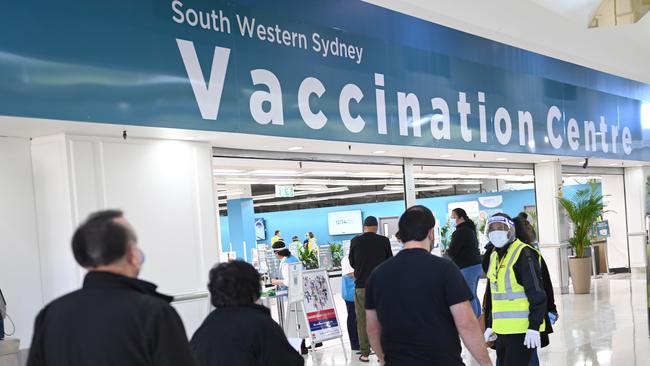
344,222
260,229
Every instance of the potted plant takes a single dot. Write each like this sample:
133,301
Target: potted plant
444,238
308,257
337,254
583,210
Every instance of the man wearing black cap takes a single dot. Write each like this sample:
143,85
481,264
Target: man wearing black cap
367,251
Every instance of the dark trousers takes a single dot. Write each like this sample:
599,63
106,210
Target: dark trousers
352,325
511,350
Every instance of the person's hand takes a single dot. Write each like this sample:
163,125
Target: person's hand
532,339
489,335
553,317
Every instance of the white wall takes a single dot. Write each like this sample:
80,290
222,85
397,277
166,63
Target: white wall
614,199
636,198
20,280
165,189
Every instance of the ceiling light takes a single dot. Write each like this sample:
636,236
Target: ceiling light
379,152
445,156
295,148
325,173
612,164
502,159
545,161
274,172
226,171
374,174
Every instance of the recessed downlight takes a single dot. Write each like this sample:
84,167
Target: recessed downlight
295,148
379,152
444,156
501,159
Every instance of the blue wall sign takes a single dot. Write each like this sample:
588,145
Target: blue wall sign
357,73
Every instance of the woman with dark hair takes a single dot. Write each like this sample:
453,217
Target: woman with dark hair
464,251
240,332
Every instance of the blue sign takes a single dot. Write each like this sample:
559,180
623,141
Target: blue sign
336,70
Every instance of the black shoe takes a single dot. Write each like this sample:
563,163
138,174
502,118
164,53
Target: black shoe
304,350
319,344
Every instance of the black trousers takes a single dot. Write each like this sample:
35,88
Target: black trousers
511,350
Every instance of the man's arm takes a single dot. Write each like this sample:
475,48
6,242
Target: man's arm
351,254
373,328
469,331
389,250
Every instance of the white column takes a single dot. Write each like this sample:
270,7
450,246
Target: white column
636,199
552,226
409,184
618,255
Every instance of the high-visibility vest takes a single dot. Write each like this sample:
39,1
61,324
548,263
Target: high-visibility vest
510,306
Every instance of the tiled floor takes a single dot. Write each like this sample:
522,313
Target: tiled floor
607,327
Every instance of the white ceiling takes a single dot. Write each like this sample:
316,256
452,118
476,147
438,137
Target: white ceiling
556,28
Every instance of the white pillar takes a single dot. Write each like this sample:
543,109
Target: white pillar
551,222
636,198
618,255
409,183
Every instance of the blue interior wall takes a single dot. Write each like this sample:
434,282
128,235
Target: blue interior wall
298,222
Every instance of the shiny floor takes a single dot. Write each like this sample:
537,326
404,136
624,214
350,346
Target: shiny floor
607,327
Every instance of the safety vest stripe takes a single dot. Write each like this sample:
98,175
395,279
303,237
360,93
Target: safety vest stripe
510,296
511,315
509,268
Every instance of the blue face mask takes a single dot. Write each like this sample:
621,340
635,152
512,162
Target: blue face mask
142,256
452,223
498,238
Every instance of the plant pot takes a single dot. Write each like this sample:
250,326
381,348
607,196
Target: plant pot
580,274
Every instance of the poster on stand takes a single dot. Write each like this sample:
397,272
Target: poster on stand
319,306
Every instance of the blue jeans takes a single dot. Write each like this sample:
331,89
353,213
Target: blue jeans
472,275
352,325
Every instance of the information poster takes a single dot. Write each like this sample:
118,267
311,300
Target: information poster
325,257
319,306
295,282
272,264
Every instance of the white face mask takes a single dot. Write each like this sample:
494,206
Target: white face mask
498,238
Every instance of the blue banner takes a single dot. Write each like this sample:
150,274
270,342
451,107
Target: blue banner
326,70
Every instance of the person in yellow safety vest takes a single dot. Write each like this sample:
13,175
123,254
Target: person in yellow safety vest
276,237
518,298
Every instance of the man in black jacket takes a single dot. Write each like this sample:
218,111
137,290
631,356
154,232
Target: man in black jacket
367,251
115,319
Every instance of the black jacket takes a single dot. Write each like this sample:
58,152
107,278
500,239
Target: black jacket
463,249
243,336
367,251
112,321
529,274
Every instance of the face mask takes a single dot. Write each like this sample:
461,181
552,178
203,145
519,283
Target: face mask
498,238
452,223
142,257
